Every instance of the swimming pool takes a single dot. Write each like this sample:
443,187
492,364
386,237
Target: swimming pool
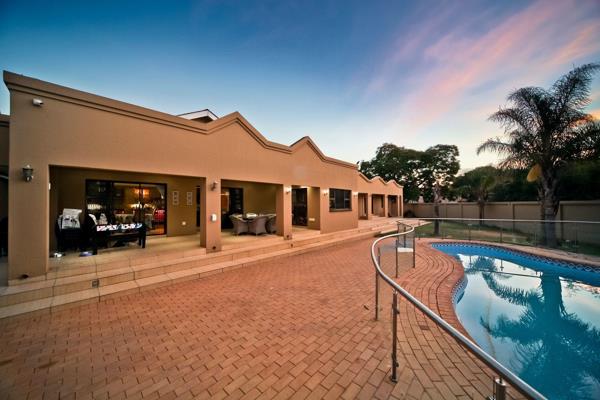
538,317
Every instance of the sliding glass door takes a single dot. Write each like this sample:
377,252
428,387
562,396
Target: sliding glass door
126,202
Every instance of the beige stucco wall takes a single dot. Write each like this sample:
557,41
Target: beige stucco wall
314,207
3,165
524,210
258,197
81,130
378,205
569,210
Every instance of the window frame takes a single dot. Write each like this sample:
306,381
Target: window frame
333,200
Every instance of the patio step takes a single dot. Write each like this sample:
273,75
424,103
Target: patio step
62,292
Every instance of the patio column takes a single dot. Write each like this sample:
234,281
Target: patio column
283,208
400,207
28,220
210,211
369,201
386,203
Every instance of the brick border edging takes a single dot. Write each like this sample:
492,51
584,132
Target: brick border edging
445,300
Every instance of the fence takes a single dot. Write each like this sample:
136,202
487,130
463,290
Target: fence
525,210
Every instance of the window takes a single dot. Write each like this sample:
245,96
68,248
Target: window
126,202
340,200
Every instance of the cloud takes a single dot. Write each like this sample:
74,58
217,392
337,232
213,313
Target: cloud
464,67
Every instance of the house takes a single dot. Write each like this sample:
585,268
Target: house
179,174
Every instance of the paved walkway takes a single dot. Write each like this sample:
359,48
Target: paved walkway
300,327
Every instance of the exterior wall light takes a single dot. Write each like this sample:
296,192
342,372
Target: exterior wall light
355,194
325,192
214,185
38,102
27,173
288,190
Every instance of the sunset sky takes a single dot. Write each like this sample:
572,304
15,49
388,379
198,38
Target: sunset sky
351,75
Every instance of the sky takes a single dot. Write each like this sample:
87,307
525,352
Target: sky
349,74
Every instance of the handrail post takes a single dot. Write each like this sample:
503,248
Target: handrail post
377,286
395,312
501,233
576,239
414,249
498,389
396,255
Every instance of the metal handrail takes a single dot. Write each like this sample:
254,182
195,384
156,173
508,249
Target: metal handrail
506,374
557,221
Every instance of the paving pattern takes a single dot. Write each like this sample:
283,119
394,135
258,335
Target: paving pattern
301,327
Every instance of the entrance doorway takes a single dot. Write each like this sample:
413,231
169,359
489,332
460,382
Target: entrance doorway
300,206
232,202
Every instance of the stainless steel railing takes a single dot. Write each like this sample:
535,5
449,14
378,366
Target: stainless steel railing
400,239
572,236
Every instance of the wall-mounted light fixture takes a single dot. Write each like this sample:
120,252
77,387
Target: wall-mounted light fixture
27,173
355,194
214,185
288,190
325,192
37,102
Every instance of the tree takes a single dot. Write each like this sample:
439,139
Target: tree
476,185
429,173
439,168
512,185
546,129
398,163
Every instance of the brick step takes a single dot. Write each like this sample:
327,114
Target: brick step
79,289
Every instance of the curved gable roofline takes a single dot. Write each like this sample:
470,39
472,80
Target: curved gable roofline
378,178
307,141
35,86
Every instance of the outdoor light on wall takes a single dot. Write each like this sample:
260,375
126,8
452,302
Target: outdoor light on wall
355,194
214,185
27,173
325,192
37,102
288,190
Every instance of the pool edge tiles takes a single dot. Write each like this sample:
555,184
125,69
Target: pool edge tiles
584,266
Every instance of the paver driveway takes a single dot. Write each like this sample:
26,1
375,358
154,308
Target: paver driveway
298,327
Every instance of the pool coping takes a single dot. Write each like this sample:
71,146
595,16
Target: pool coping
458,282
565,260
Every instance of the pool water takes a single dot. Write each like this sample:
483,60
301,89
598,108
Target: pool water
539,318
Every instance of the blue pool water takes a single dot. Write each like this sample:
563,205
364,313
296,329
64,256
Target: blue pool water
539,318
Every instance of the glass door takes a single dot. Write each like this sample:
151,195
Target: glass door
127,202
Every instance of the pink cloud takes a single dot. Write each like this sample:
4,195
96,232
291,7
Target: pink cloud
535,45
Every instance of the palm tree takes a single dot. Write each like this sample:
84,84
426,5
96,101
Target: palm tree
476,185
544,130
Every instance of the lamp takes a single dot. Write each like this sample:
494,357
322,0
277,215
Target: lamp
27,173
288,190
325,192
355,194
214,185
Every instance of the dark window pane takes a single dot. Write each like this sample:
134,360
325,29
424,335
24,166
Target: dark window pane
339,199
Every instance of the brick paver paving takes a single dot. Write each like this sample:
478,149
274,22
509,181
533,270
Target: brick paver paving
299,327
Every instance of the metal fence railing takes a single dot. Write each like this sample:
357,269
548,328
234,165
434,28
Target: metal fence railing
402,245
572,236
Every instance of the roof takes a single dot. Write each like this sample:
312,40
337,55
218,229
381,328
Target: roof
49,90
378,178
201,114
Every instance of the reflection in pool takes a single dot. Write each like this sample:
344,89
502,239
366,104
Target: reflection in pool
538,318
